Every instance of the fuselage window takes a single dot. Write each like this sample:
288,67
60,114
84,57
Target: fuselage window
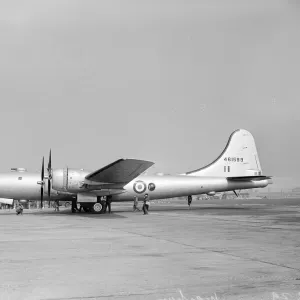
228,168
19,178
224,168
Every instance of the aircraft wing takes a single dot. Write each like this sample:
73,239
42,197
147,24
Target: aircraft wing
246,178
121,171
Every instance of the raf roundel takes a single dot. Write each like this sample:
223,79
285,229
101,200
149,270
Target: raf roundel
139,187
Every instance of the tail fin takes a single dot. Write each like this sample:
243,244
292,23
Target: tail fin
239,158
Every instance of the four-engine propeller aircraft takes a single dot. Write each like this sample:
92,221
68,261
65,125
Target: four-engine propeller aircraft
236,168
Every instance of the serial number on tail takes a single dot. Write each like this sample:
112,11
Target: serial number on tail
235,159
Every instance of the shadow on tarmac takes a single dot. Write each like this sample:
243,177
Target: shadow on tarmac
221,210
230,207
68,213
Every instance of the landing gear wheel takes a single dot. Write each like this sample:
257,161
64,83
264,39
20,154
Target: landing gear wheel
97,208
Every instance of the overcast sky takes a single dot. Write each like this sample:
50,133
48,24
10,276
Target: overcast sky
166,81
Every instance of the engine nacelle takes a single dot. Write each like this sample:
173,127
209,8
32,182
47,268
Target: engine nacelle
211,193
70,180
58,180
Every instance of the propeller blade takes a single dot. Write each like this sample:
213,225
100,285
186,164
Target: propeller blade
49,165
42,195
43,171
49,174
42,180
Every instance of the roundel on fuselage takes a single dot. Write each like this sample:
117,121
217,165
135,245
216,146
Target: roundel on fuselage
139,187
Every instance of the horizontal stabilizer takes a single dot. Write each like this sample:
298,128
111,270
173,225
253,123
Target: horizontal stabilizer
247,178
121,171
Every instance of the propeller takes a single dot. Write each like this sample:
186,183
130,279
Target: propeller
42,182
49,169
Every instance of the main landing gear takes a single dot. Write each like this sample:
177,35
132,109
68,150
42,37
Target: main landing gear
96,208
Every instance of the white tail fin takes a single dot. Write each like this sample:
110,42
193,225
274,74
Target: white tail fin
239,158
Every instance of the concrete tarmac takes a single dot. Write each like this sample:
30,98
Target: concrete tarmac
222,249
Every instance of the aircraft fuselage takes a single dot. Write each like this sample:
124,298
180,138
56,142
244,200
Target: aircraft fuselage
17,185
167,186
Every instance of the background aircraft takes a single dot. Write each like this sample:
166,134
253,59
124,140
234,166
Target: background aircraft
236,168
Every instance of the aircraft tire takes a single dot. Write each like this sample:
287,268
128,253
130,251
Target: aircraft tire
97,208
67,204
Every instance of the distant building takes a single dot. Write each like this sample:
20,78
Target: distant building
296,191
243,194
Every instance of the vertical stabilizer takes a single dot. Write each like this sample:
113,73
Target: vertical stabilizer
239,158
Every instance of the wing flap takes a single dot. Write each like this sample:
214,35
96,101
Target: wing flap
121,171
